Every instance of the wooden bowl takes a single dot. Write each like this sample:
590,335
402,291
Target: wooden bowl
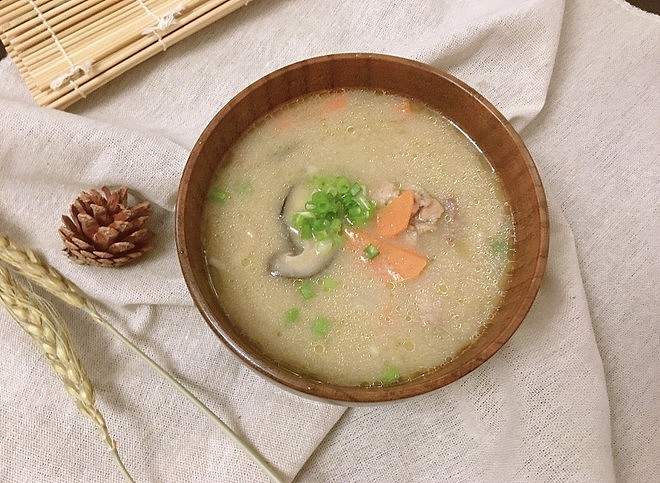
459,103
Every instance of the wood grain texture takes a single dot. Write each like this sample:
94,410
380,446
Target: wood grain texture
458,102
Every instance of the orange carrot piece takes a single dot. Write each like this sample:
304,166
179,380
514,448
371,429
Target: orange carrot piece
395,262
393,219
405,107
282,122
402,263
335,102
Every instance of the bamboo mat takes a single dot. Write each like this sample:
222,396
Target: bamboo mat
65,49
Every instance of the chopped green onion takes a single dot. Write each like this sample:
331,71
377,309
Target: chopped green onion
390,376
320,181
335,225
371,251
292,314
335,202
307,290
216,194
321,326
322,235
500,247
318,225
354,211
343,185
330,284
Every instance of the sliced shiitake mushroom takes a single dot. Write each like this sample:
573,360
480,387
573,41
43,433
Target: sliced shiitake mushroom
304,258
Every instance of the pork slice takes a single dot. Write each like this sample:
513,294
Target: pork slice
426,211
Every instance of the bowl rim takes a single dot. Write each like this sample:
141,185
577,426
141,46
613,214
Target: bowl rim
308,387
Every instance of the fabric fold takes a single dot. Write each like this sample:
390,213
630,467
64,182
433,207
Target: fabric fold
575,78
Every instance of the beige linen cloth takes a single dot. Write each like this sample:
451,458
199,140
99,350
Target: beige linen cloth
574,394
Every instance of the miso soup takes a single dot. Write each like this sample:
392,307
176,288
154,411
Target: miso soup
358,237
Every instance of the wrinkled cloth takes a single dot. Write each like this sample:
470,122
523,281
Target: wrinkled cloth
573,396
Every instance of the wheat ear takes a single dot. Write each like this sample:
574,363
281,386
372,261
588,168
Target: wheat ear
28,264
47,329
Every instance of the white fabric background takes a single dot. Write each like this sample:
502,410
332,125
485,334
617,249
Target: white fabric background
572,397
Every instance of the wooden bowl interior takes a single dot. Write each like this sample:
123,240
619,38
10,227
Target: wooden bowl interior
458,102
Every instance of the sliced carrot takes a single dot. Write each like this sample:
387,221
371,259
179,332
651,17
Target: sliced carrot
335,102
405,107
395,262
393,218
402,263
283,122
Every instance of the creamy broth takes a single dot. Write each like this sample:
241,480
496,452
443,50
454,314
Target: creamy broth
359,328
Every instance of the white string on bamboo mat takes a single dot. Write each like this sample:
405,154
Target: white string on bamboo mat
75,70
50,40
164,22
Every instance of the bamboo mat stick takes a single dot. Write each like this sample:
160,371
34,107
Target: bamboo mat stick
127,33
29,21
122,55
106,14
70,21
80,34
208,16
65,49
75,29
128,30
105,38
14,15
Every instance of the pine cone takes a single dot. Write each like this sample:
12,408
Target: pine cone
104,231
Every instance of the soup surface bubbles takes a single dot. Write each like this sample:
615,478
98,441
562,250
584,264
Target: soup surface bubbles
352,321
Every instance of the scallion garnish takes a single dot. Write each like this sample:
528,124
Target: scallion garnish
330,284
217,194
292,314
307,290
390,376
321,326
500,247
371,251
336,201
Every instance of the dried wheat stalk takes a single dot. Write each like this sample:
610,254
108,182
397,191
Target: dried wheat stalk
47,329
25,262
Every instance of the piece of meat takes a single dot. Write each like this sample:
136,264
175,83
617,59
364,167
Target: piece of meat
426,212
431,212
